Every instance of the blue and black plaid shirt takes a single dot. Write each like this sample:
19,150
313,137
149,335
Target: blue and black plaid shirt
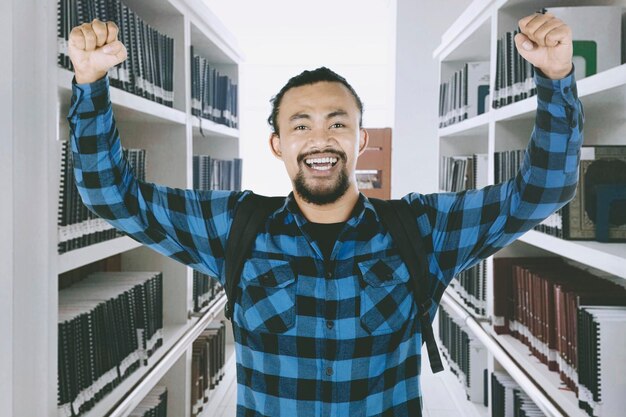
338,337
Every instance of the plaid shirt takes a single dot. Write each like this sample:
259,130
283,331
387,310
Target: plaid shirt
338,337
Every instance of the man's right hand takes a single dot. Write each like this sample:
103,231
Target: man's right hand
94,49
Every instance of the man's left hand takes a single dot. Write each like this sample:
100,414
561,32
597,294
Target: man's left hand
546,42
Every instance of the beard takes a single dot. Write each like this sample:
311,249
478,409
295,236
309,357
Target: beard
323,194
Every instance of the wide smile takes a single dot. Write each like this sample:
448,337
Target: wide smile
321,164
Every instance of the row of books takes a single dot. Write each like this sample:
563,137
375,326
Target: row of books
77,225
509,400
207,364
465,94
466,356
506,164
514,75
205,290
593,51
471,286
458,173
148,71
213,94
539,300
601,359
579,219
216,174
153,405
110,323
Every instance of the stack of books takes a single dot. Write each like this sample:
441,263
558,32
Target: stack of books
216,174
207,365
205,290
77,225
466,356
149,69
459,173
110,323
508,399
153,405
551,306
471,285
465,94
213,94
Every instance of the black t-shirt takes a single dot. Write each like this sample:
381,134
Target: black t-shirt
325,234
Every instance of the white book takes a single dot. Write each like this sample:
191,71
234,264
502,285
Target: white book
477,87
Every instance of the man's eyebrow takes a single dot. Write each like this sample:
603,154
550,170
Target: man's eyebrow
337,113
330,115
298,116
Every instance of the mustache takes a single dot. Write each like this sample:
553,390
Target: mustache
337,152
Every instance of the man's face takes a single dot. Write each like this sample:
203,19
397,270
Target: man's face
320,140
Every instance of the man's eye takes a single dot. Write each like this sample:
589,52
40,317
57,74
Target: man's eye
337,125
300,127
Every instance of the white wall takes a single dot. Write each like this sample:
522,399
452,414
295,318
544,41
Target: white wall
420,24
281,38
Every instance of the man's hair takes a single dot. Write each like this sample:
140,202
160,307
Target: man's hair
305,78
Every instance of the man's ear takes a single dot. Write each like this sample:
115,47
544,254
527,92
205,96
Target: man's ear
363,141
275,145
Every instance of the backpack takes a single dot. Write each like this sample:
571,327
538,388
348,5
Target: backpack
397,217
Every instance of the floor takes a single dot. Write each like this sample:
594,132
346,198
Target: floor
437,397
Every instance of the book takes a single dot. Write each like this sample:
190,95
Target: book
148,70
154,404
78,226
509,400
601,359
207,364
107,329
464,94
466,357
598,165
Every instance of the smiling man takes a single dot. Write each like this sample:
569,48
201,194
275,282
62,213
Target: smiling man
324,321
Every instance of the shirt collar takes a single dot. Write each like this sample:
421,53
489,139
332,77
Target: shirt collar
362,207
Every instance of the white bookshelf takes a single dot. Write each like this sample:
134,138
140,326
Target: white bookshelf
473,37
38,104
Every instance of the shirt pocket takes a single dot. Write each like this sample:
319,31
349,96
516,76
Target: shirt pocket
386,299
268,297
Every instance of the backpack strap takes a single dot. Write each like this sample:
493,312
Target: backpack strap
250,215
400,220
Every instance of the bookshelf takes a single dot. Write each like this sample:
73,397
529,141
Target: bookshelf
473,37
36,101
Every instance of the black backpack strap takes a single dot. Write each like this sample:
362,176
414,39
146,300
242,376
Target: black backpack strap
250,215
400,220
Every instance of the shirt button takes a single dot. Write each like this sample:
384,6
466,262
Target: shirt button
329,371
329,274
330,324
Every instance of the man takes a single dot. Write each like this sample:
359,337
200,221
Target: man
319,329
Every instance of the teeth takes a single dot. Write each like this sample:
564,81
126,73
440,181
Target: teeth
327,160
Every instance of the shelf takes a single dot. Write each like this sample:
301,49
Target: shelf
213,129
472,31
476,126
92,253
607,257
171,334
218,395
548,380
127,107
605,91
176,339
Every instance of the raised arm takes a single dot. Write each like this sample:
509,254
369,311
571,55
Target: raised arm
472,225
190,226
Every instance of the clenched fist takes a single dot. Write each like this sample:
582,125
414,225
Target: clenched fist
546,42
94,49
